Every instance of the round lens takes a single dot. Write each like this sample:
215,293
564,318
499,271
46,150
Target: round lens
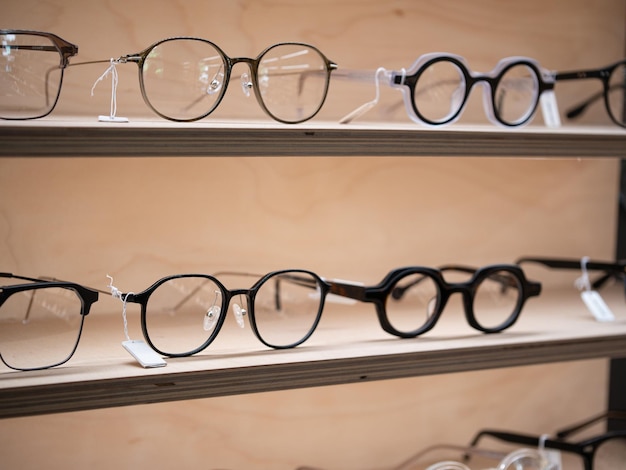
616,99
516,94
523,459
40,327
496,299
413,301
287,307
292,81
183,314
611,454
183,79
440,92
30,76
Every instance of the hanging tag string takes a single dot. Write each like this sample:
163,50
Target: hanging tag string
583,283
117,294
112,70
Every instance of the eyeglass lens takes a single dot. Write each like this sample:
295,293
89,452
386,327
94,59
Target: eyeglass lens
442,88
185,313
495,300
40,327
30,76
184,79
616,97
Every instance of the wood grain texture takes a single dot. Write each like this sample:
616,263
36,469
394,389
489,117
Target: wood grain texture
140,218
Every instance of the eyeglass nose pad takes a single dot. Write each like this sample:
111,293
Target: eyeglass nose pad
211,317
239,314
216,84
246,84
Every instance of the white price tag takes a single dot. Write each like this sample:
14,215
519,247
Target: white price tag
597,306
146,356
550,109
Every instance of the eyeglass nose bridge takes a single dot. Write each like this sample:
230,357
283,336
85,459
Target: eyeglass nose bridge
240,311
247,82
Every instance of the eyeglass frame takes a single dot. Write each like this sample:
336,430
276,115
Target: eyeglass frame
603,74
139,58
378,294
65,49
142,298
407,80
586,448
87,296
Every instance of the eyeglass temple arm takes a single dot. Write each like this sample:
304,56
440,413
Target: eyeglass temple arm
563,433
580,108
523,439
617,269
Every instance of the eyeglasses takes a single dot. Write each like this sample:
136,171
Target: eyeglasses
613,80
409,301
41,321
181,78
182,314
606,451
31,72
437,87
185,79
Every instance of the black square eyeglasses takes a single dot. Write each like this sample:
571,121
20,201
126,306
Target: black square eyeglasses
181,78
41,321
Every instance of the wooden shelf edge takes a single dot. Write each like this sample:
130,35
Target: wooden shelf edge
145,389
82,139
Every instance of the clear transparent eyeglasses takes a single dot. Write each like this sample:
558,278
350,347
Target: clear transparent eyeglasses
181,78
613,78
409,301
437,86
32,64
41,321
182,314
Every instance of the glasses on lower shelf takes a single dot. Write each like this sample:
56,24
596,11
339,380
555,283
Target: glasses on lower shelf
606,451
181,78
41,321
613,79
409,301
182,314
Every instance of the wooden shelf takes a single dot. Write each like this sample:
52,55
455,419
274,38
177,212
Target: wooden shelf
348,347
66,137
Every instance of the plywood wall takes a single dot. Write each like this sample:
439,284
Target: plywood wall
139,219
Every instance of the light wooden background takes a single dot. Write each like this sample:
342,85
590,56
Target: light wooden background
139,219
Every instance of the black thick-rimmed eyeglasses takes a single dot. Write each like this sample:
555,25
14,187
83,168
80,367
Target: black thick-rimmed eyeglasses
41,321
437,86
181,78
606,451
182,314
409,301
32,64
613,78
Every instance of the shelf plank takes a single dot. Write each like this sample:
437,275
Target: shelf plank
553,328
59,137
